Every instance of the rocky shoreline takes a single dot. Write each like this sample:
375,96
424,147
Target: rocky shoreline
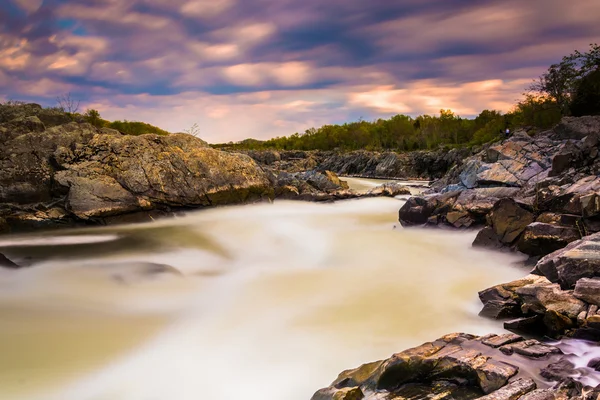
416,165
59,172
538,195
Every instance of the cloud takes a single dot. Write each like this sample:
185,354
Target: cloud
266,67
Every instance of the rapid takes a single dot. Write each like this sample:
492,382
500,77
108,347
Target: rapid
266,301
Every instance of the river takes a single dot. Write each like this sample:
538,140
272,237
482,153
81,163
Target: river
265,302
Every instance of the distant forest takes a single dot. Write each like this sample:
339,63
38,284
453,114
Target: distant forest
571,87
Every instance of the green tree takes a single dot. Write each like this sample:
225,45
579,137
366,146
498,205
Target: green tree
561,81
93,117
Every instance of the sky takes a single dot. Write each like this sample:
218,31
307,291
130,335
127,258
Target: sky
266,68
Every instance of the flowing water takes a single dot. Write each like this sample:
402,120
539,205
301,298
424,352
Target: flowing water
268,301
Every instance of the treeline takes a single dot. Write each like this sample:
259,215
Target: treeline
126,127
571,87
404,133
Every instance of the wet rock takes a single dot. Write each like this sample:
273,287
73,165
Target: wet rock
416,211
339,394
588,290
509,220
544,296
530,325
501,340
6,263
312,186
390,189
579,259
594,363
539,394
462,366
502,301
487,238
540,239
513,391
530,348
558,371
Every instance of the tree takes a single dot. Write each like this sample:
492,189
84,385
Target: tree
562,80
194,130
67,104
93,117
586,100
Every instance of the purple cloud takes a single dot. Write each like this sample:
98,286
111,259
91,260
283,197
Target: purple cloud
262,68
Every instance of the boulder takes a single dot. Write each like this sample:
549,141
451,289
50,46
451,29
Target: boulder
69,173
390,189
509,220
588,290
577,127
579,259
540,239
487,238
502,301
416,211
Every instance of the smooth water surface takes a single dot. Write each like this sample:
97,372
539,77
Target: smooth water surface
267,301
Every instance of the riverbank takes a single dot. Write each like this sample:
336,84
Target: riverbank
290,293
536,195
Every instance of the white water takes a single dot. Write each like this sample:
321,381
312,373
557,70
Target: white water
273,301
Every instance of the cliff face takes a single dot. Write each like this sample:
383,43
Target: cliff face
75,173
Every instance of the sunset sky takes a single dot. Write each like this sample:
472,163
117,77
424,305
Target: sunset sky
262,68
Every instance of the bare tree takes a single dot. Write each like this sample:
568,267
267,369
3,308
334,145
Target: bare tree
194,130
67,103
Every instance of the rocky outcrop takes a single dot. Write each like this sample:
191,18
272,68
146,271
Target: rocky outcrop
312,186
555,196
560,298
418,165
74,173
461,366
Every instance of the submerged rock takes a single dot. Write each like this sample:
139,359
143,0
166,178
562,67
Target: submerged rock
6,263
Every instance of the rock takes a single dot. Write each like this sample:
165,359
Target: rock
462,366
577,127
539,239
390,189
487,238
541,297
75,173
539,394
594,363
509,220
339,394
530,348
588,290
311,186
459,219
502,301
513,391
579,259
501,340
558,371
6,263
416,211
529,325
